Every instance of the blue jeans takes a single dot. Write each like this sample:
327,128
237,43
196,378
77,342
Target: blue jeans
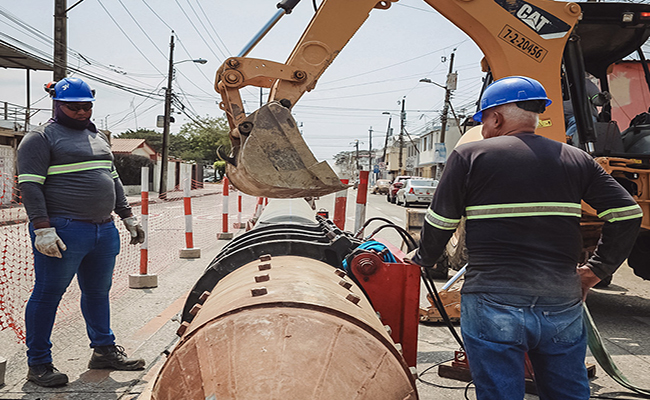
91,253
499,329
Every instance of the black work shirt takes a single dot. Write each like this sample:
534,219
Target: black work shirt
522,196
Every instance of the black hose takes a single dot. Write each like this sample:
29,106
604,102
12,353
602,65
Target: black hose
368,221
408,239
431,288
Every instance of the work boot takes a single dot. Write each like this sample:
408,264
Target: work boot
46,375
114,357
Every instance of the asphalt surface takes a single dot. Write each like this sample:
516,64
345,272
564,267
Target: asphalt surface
145,322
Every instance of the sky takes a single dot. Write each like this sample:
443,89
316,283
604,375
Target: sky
127,42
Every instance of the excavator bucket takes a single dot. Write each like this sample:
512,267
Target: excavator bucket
272,159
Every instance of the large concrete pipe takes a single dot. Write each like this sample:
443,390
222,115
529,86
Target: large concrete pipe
285,327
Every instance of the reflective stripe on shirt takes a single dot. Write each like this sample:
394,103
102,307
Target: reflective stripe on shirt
80,166
622,213
31,178
441,222
524,210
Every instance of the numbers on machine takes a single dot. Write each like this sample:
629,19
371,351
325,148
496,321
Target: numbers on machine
524,44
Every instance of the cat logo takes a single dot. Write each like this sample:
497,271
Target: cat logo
531,17
540,21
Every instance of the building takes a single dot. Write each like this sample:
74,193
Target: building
14,119
138,147
422,155
433,154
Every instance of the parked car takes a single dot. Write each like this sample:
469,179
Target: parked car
416,191
394,187
381,186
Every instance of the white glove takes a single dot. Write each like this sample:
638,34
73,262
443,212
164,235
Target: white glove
135,229
48,242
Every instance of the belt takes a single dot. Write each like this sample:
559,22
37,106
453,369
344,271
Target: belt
90,221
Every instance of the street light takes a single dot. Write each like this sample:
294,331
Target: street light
197,61
168,110
427,80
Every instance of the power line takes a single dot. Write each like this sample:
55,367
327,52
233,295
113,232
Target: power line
196,29
142,30
212,26
206,30
129,38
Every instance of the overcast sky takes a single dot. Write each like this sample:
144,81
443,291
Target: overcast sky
127,41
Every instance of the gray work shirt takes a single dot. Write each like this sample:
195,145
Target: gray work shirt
69,173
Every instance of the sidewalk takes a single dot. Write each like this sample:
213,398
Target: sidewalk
144,323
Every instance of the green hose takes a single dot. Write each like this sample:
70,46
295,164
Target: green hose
602,356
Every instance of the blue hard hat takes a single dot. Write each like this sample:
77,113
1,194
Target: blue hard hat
73,90
511,89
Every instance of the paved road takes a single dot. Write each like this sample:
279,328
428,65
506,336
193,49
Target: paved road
145,322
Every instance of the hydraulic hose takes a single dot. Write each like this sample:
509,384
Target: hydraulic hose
604,359
431,288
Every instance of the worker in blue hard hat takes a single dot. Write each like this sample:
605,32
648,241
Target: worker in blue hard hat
521,196
69,189
524,93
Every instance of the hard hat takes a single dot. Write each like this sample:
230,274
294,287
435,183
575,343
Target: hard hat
73,90
511,89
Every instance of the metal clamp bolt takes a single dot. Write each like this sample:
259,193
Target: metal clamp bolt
345,284
340,273
183,328
195,309
353,298
264,267
204,296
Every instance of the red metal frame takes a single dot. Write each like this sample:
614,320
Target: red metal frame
394,291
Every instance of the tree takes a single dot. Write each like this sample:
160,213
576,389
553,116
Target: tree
345,161
197,140
202,137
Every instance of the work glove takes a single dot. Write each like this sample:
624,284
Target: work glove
135,229
48,242
601,99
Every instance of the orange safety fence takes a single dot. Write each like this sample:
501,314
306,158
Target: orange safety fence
166,238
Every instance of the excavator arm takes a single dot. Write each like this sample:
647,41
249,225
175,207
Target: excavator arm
269,156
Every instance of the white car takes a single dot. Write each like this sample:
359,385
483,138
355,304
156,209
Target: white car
416,191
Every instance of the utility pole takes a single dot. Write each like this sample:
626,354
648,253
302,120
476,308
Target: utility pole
445,110
60,40
390,117
401,136
370,151
168,110
356,144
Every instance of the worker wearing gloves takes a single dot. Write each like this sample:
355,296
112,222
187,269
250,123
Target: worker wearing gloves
69,188
523,289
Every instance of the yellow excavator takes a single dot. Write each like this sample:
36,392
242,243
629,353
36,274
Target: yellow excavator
551,41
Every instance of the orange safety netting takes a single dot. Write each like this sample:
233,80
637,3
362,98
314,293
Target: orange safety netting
166,236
